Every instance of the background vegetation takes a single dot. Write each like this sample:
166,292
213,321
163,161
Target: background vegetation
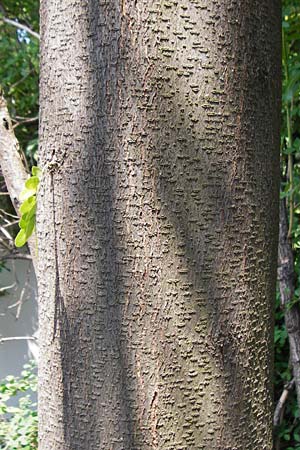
19,80
288,434
18,424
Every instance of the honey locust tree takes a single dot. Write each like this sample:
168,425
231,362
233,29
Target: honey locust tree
157,223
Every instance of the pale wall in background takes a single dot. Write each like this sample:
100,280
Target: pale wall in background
14,354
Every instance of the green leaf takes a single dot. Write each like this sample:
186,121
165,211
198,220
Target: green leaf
27,224
23,220
26,193
28,204
297,437
288,150
28,208
21,238
32,183
30,227
32,212
36,171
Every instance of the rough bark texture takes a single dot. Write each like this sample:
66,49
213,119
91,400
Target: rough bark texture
286,279
158,223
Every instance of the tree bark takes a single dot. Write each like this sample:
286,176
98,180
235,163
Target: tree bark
12,167
158,223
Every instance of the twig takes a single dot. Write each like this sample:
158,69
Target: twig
10,224
5,288
17,338
29,120
2,211
19,25
278,414
16,255
21,301
2,242
6,234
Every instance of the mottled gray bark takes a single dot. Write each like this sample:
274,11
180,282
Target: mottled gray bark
158,222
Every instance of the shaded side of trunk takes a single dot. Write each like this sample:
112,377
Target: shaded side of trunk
158,223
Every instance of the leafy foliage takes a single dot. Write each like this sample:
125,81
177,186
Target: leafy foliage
19,70
28,208
18,424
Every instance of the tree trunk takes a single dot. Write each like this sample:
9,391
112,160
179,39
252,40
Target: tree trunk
158,223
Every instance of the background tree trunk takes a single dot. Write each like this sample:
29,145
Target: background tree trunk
12,167
286,284
158,223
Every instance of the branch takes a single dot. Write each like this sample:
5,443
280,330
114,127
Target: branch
29,120
16,255
6,234
5,288
12,167
278,414
19,25
17,338
2,211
